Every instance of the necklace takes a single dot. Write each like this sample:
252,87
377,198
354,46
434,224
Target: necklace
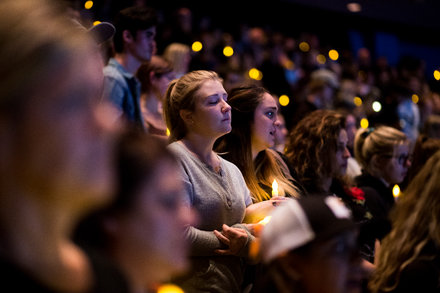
212,163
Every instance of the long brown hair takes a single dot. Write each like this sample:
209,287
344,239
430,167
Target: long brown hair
415,221
310,143
236,146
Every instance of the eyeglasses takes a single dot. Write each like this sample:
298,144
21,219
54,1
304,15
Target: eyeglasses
402,159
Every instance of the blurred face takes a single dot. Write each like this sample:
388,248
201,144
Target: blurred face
350,127
342,154
65,138
331,266
263,128
396,166
144,45
162,82
281,133
151,239
212,114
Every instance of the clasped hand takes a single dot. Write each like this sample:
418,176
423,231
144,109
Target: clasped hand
234,238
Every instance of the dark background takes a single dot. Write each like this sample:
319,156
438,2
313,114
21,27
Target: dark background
389,28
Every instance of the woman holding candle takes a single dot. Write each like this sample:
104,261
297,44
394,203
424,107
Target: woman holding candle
197,114
383,153
254,124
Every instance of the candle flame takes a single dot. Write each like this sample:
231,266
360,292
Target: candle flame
274,188
265,220
396,191
169,288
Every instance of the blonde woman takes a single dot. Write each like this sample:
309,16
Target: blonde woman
179,56
197,114
383,154
409,260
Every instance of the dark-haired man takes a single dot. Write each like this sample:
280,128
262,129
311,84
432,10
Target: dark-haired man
134,43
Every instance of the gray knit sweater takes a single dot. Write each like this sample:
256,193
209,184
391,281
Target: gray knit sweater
217,199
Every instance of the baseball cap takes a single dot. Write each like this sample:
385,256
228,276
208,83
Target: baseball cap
324,76
102,31
302,221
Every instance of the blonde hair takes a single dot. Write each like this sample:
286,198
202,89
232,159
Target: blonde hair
376,141
415,221
182,95
179,56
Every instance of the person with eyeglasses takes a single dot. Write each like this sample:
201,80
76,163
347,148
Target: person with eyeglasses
384,155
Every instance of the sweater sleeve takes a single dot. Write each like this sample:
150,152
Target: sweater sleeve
203,243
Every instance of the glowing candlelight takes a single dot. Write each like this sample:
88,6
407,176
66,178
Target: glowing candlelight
396,191
274,188
265,220
169,288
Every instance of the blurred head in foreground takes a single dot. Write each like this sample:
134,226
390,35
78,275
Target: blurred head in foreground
143,228
310,245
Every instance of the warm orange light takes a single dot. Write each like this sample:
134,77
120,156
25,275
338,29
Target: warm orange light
333,55
265,220
196,46
284,100
228,51
364,123
304,46
321,59
357,101
274,188
256,74
88,4
396,191
169,288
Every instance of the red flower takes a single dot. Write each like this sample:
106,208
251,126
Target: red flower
357,193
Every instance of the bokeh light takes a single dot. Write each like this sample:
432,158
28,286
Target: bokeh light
333,55
415,98
377,106
364,123
196,46
228,51
88,4
304,46
321,59
256,74
284,100
357,101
